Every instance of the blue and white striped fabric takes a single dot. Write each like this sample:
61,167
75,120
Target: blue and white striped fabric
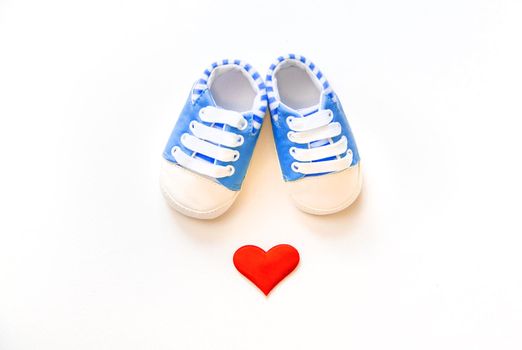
273,102
260,105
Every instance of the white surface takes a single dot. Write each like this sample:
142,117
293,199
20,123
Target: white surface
329,194
91,256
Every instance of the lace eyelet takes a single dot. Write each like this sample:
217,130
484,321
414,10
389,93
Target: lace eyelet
202,111
231,170
236,156
290,135
295,166
240,140
184,136
330,113
293,150
192,124
289,120
174,149
244,125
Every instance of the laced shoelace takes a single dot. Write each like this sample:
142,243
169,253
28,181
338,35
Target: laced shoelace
212,142
314,159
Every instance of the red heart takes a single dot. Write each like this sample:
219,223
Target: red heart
266,269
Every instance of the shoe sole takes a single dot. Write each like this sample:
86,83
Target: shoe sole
344,205
204,215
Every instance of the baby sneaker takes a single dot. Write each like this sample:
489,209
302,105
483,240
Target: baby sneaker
316,149
209,150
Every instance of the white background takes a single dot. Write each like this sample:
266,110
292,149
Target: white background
429,257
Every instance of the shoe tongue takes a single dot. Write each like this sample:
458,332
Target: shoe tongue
308,110
312,109
208,100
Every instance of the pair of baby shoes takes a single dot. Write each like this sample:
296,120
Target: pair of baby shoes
209,150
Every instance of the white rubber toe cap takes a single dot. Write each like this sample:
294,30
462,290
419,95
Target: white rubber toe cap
327,194
192,194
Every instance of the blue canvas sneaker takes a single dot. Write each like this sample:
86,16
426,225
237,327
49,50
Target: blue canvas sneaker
316,149
209,150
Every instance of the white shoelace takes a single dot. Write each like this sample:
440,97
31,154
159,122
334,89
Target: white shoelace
212,142
316,127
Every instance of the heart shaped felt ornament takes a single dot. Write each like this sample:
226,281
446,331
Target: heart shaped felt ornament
266,269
